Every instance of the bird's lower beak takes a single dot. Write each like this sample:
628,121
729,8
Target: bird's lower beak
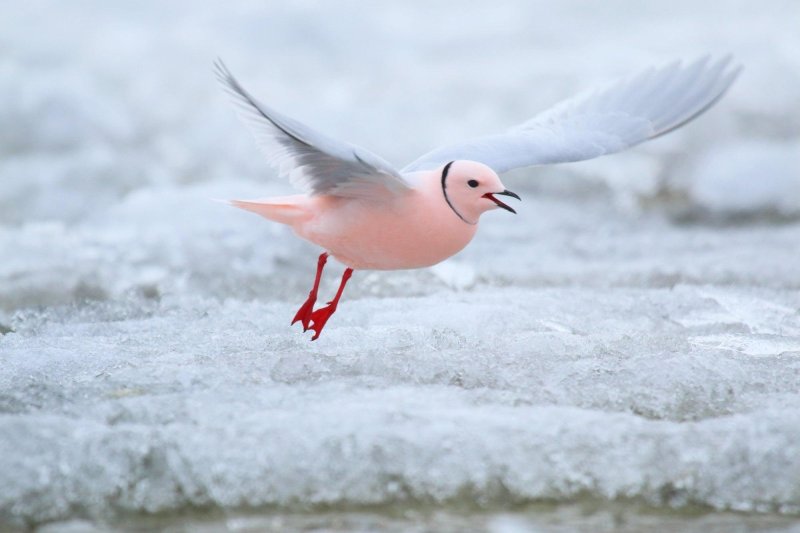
491,196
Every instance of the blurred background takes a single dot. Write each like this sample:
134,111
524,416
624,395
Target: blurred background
623,353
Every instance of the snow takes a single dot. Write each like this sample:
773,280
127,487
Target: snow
633,334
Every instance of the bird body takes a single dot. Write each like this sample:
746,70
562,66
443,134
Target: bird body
366,214
415,229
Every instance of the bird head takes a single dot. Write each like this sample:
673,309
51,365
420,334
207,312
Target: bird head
471,188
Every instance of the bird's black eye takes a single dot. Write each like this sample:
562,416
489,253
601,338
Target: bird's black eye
472,183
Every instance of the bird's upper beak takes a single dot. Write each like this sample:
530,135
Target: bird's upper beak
491,196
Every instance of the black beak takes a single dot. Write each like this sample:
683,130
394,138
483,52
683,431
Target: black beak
491,196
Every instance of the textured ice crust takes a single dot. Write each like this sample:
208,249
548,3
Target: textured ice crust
633,333
678,396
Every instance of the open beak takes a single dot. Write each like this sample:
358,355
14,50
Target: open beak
491,196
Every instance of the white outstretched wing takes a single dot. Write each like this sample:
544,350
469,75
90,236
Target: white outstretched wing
601,122
314,163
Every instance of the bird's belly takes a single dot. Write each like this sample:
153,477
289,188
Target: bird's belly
388,237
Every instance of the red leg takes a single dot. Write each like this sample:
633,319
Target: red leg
304,313
321,315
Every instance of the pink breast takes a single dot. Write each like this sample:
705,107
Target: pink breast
412,231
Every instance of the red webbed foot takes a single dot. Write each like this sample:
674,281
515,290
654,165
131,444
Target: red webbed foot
320,317
303,314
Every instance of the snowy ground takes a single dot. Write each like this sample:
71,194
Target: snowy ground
626,350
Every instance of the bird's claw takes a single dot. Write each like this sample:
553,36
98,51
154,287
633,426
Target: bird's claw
304,314
320,317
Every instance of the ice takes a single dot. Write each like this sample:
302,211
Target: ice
629,340
159,406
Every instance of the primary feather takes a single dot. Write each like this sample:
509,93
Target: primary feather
609,120
314,163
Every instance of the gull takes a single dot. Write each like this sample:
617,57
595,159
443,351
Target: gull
367,214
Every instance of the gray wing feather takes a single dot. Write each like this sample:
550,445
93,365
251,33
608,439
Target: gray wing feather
314,163
626,113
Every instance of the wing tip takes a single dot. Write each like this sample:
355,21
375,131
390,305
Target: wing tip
220,69
226,79
725,64
725,70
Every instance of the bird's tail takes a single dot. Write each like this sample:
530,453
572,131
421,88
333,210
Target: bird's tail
286,210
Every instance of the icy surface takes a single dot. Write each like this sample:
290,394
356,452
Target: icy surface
633,334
